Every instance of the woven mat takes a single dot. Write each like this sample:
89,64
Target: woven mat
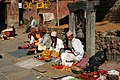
29,63
18,53
49,71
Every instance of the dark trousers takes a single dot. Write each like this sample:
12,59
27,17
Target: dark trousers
27,30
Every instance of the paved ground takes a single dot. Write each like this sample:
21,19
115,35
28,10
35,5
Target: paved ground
9,71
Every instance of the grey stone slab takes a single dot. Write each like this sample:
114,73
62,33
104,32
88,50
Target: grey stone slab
7,70
3,77
34,77
43,68
18,75
6,62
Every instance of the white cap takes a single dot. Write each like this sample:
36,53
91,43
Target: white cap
53,33
69,33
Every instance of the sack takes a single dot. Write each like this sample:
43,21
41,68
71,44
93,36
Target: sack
96,60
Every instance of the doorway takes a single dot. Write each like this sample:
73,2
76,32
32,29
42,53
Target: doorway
2,15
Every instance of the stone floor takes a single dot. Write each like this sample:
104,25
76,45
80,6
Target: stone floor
8,71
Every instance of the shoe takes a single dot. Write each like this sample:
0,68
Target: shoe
30,52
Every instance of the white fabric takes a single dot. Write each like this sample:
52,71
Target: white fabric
41,47
113,72
32,40
47,16
10,29
69,56
78,48
59,45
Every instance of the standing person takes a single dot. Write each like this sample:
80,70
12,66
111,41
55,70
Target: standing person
75,54
33,24
9,33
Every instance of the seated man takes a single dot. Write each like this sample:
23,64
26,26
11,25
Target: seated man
72,56
44,41
54,50
34,37
9,33
57,43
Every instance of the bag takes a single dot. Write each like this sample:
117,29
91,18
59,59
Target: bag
96,60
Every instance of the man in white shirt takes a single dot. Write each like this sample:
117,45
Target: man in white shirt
73,56
57,43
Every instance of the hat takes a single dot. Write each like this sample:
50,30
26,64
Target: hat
69,33
54,34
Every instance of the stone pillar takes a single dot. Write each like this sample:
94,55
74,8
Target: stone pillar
90,32
71,25
72,22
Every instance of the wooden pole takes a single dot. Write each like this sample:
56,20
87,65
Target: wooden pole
57,8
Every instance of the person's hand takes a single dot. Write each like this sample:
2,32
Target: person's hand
75,63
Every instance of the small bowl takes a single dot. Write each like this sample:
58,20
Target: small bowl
58,67
77,70
48,60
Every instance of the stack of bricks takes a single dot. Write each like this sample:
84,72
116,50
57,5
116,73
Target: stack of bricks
114,50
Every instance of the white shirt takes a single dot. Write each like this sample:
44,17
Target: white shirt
78,53
77,48
59,45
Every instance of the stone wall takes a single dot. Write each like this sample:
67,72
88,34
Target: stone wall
12,13
105,38
111,41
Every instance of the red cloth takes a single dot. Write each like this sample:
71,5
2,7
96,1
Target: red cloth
7,34
82,63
